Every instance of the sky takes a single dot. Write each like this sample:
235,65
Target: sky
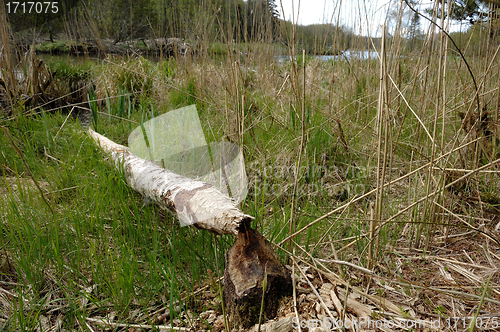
365,17
362,15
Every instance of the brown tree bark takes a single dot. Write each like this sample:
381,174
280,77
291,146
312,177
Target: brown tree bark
248,262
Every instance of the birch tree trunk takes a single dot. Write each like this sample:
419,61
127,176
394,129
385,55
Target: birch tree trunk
249,261
196,203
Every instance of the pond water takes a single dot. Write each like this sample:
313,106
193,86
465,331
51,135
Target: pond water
363,55
18,74
349,54
20,68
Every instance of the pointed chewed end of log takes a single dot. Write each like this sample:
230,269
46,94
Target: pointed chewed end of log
247,262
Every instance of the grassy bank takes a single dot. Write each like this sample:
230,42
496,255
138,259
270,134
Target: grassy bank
393,169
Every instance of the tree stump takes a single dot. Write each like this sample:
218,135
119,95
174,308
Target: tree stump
248,261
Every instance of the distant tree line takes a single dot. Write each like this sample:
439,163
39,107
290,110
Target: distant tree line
251,20
193,20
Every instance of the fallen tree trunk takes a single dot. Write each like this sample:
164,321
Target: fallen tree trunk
249,261
196,203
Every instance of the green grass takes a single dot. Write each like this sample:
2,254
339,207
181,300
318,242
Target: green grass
55,47
70,71
102,234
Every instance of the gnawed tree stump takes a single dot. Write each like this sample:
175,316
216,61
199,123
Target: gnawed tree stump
202,205
248,261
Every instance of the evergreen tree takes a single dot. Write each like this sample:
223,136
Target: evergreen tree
414,30
260,21
469,10
273,9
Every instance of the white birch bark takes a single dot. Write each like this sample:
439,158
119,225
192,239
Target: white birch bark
196,203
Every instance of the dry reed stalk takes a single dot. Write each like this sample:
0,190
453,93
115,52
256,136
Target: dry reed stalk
495,128
443,110
429,70
301,148
335,256
7,59
295,295
382,130
34,84
371,233
430,36
430,209
89,20
416,74
395,51
109,324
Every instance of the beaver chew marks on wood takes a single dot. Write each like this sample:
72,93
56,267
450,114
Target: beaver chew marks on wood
247,262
